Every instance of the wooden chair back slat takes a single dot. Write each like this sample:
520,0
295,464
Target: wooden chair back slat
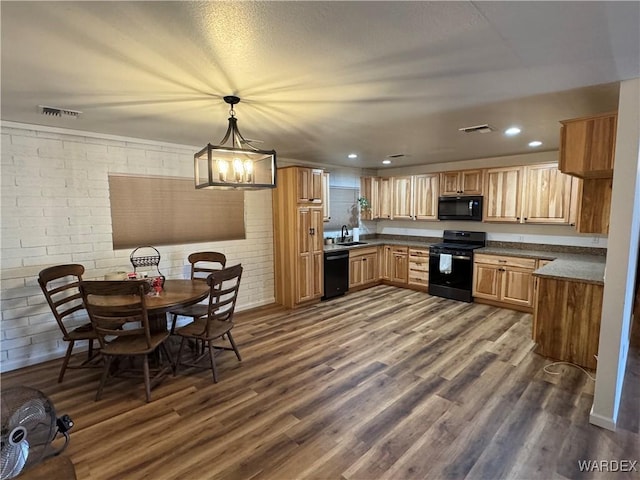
125,317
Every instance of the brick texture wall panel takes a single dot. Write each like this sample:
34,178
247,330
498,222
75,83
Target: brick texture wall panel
55,209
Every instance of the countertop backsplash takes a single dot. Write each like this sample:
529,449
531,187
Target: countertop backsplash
495,244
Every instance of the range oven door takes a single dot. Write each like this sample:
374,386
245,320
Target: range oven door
454,282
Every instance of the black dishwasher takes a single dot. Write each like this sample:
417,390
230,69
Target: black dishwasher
336,273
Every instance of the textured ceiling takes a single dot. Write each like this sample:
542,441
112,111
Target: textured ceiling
319,80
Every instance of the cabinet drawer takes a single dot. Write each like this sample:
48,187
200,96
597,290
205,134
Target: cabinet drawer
359,252
418,253
419,266
506,261
420,278
400,250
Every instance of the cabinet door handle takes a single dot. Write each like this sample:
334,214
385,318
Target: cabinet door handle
312,231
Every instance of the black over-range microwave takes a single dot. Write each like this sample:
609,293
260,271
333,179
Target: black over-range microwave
465,207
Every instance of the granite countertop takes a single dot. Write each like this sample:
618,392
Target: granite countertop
581,267
563,266
376,242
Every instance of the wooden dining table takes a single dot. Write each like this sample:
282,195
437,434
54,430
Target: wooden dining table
174,294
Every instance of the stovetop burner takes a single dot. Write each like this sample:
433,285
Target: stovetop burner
455,246
457,240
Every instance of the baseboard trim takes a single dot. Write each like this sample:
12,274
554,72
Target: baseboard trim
601,421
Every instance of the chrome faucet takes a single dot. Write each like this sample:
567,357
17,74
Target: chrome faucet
344,233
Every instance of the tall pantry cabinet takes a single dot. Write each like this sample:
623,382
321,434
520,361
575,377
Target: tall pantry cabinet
297,231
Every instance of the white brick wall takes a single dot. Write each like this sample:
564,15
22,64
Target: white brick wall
55,209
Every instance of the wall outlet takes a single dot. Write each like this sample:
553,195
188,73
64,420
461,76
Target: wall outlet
521,238
595,240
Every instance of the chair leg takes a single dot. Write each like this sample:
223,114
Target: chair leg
147,381
175,371
65,362
235,347
167,354
173,323
213,362
105,374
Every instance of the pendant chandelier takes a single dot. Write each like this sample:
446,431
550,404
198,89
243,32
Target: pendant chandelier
237,166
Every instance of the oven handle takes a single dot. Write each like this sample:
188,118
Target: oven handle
455,257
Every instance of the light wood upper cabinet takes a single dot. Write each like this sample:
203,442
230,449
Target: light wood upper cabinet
326,204
402,192
425,196
587,146
385,192
463,182
411,197
547,194
591,204
309,185
369,189
415,197
502,194
530,194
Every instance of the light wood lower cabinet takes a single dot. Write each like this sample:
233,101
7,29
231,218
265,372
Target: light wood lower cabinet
394,263
566,320
419,267
363,267
507,281
310,280
400,264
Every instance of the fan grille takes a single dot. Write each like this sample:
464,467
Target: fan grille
28,422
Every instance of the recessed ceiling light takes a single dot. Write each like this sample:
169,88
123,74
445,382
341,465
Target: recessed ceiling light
535,143
386,162
353,155
511,131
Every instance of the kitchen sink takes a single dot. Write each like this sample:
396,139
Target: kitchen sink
351,244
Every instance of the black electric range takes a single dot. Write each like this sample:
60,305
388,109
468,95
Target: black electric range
451,264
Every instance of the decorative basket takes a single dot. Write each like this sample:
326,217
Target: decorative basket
146,256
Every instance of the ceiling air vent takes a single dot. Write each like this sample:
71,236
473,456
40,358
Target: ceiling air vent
396,155
58,112
477,129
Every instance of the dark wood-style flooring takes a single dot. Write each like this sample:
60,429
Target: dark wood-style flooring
384,383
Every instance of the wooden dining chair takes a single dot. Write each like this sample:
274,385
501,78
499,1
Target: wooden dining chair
223,295
59,285
202,264
118,313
